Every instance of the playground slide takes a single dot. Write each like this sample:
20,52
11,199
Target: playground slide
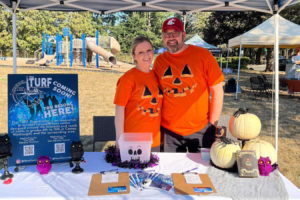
46,60
100,51
114,46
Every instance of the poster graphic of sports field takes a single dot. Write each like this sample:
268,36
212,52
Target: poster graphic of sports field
43,116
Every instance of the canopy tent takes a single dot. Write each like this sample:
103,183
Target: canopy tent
198,41
177,6
262,36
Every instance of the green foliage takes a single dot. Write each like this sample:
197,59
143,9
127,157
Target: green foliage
123,26
5,29
30,28
139,23
292,14
81,22
223,26
216,27
234,61
124,57
196,23
32,24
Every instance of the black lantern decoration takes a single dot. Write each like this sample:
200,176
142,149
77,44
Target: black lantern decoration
76,153
5,153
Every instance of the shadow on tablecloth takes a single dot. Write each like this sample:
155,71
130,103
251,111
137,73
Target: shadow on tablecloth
231,185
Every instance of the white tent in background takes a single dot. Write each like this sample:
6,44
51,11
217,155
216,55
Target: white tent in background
262,36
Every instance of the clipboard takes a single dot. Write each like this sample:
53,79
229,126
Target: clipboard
115,188
181,187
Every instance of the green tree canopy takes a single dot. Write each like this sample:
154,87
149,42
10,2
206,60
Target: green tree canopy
222,26
215,27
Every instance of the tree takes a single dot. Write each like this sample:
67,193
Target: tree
138,23
30,28
81,22
292,13
196,23
269,60
5,30
222,26
32,24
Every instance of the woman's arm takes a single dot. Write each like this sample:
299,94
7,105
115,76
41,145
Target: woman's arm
119,122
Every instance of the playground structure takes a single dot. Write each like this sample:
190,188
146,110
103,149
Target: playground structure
80,50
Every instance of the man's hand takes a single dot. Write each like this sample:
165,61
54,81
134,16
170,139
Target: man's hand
220,131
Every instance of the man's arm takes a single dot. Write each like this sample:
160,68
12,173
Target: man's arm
119,122
216,103
296,59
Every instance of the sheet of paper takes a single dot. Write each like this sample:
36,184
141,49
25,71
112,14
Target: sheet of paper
110,178
191,178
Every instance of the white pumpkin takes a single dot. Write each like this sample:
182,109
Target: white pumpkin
223,153
231,123
244,125
262,148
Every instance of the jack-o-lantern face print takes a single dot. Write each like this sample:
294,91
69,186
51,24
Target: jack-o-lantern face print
179,83
151,106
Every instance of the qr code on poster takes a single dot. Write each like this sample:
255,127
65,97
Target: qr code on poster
59,148
28,150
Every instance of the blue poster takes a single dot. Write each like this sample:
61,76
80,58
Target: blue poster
43,116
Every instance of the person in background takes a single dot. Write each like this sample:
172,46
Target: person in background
138,98
192,84
296,59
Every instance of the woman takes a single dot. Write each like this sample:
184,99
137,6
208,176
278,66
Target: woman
138,98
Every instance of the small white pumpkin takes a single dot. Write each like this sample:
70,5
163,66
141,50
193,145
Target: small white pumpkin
244,125
223,153
262,148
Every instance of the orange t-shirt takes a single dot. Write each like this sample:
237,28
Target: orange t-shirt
139,93
185,79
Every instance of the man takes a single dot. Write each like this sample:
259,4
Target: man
296,58
187,75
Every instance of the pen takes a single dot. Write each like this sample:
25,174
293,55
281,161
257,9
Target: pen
112,170
187,171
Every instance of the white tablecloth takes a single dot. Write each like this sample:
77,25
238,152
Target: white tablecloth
61,183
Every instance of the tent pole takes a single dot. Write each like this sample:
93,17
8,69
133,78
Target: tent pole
221,63
238,74
184,21
227,60
276,51
14,38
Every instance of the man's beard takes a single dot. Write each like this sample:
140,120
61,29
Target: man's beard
174,48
